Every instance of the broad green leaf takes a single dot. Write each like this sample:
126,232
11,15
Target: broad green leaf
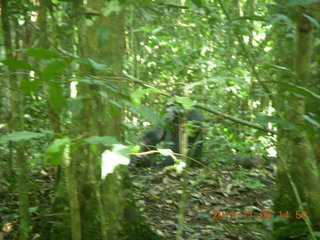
28,86
57,145
105,140
54,153
110,7
184,101
115,104
314,122
90,81
18,64
263,120
311,19
20,136
74,105
300,90
211,80
147,29
56,98
267,66
33,209
102,34
54,68
148,114
304,3
136,96
283,18
97,66
41,53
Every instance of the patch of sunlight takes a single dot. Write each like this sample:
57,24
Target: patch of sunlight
73,89
111,159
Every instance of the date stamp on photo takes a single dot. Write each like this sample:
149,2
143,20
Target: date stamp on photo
221,214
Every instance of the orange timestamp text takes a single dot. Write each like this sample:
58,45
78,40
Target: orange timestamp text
219,214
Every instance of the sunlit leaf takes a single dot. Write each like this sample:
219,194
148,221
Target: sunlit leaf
33,209
111,159
184,101
54,153
136,96
110,7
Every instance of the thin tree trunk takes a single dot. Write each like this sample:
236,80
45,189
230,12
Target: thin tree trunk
16,124
72,189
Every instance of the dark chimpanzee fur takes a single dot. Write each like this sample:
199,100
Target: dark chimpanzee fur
168,132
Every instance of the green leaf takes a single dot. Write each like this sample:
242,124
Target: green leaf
20,136
54,153
312,20
136,96
263,120
53,69
110,7
17,64
74,105
105,140
90,81
268,66
33,209
148,114
300,90
304,3
28,86
147,29
285,124
313,121
283,18
102,34
184,101
97,66
56,98
41,53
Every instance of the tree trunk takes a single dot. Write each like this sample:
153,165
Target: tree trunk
107,207
16,124
298,185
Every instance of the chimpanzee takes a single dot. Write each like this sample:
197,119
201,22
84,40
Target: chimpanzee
168,132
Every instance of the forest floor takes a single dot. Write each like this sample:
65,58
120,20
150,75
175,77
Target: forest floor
224,202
